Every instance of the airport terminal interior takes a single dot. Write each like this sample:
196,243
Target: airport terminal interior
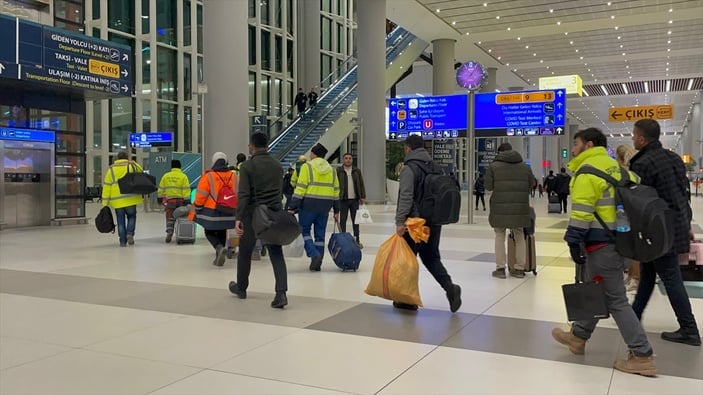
82,80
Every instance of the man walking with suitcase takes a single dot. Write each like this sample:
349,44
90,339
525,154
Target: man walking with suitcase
174,189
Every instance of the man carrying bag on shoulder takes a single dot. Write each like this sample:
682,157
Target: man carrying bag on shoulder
125,204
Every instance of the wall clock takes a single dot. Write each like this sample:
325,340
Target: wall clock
471,76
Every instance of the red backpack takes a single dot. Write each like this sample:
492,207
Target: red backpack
226,202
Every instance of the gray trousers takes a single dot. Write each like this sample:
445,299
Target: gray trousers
608,264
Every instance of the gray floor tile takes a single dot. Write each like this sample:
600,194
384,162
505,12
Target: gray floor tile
677,359
29,283
176,299
484,257
558,225
383,321
101,291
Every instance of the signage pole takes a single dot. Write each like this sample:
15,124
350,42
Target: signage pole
470,141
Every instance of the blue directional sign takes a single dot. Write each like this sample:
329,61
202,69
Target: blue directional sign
148,140
27,135
525,113
48,55
430,116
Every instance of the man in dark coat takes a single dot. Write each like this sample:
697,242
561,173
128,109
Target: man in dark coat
562,188
511,181
665,171
301,100
550,183
312,97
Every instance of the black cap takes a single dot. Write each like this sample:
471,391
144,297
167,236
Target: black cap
319,150
175,164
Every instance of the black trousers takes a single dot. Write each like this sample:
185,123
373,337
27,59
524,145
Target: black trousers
429,254
346,207
562,200
216,237
483,202
246,247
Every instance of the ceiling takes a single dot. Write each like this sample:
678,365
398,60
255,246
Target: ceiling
617,44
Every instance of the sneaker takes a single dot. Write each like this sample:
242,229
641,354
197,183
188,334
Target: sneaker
498,273
405,306
681,336
235,290
576,344
637,365
517,273
220,256
454,297
169,236
316,263
279,301
256,256
130,239
358,244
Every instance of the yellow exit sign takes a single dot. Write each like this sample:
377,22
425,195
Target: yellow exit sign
103,68
572,83
624,114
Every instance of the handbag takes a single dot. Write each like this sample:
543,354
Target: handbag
584,300
275,227
363,216
135,182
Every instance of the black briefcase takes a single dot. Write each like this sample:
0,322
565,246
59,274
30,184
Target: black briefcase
584,300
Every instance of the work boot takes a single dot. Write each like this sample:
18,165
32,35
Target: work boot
169,236
316,263
498,273
235,290
636,365
576,344
682,336
220,256
454,297
358,244
130,239
280,301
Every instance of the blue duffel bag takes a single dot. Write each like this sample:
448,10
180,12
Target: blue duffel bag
344,250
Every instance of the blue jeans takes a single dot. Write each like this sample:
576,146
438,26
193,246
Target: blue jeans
668,269
307,220
126,222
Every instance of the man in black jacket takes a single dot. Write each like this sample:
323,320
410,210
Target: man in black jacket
351,193
259,183
666,172
562,188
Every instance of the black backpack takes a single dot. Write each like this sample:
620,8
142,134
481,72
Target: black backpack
104,221
651,220
437,197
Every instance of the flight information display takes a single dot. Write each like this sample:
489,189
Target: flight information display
525,113
429,116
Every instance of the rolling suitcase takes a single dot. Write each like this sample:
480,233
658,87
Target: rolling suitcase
530,254
554,206
184,231
344,250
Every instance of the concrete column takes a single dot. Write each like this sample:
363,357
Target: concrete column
372,94
693,135
491,73
309,46
535,153
226,75
443,81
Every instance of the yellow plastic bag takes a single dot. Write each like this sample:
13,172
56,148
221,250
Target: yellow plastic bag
396,271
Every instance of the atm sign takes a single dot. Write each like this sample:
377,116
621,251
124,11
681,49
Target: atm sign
103,68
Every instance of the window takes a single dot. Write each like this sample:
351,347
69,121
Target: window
96,9
166,21
325,68
289,60
277,11
69,15
326,33
290,12
188,129
340,37
252,91
279,97
326,5
264,11
167,120
252,8
167,74
265,50
145,16
187,76
199,13
121,15
146,116
186,23
279,53
121,122
252,45
265,101
146,66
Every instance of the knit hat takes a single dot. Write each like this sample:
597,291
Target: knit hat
319,150
175,164
218,155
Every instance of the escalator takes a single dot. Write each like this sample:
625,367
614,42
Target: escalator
330,120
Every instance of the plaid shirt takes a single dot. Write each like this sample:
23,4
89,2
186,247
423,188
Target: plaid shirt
666,172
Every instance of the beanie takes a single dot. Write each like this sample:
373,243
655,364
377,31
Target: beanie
218,155
175,164
319,150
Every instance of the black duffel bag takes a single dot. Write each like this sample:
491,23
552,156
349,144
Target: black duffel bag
137,183
275,227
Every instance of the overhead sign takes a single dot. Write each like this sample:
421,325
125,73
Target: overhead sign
148,140
27,135
624,114
427,115
48,55
572,83
526,113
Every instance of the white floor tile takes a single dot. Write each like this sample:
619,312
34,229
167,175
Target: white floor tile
210,382
329,360
91,373
630,384
193,341
15,351
69,323
454,371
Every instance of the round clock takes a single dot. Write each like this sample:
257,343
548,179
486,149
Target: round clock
471,76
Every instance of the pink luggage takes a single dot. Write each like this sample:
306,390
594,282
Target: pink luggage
696,252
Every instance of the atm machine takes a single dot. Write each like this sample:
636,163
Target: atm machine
26,177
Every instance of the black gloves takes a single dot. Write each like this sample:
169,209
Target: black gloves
577,254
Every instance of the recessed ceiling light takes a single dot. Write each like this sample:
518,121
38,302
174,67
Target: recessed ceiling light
571,42
498,57
623,54
617,27
577,50
485,4
541,60
668,42
534,54
437,10
612,17
669,32
668,50
507,64
627,67
619,37
566,33
490,50
621,45
551,10
609,3
589,69
671,10
670,22
467,33
518,38
508,29
497,16
453,22
527,47
552,73
581,57
558,23
514,70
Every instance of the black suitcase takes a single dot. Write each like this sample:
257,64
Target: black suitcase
184,231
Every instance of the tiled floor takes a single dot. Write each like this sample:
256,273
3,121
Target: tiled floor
80,315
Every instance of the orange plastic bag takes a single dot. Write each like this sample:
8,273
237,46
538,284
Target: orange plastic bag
396,271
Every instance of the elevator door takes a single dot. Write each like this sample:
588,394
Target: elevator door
25,183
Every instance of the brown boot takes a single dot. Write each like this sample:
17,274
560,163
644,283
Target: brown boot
576,344
637,365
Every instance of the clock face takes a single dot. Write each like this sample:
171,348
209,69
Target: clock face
471,76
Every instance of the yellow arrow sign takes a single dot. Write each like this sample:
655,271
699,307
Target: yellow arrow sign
103,68
623,114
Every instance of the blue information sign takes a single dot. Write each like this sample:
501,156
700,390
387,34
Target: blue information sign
526,113
45,54
27,135
431,116
148,140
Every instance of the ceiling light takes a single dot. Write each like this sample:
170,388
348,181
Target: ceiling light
690,84
571,42
527,47
581,58
668,42
670,22
668,85
621,45
541,60
507,64
609,3
623,54
669,32
508,29
668,50
485,4
518,38
467,33
514,70
453,22
566,33
498,57
479,43
577,50
589,69
437,10
627,67
552,73
619,37
612,17
558,23
667,69
534,54
585,93
497,16
551,11
604,90
630,77
617,27
490,50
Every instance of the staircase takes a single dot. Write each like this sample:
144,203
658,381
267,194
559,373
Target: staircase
330,120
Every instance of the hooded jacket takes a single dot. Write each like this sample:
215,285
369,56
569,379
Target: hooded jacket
206,197
111,189
406,191
317,188
511,181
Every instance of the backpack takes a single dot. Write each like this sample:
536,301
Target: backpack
226,202
651,220
287,187
439,199
104,221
